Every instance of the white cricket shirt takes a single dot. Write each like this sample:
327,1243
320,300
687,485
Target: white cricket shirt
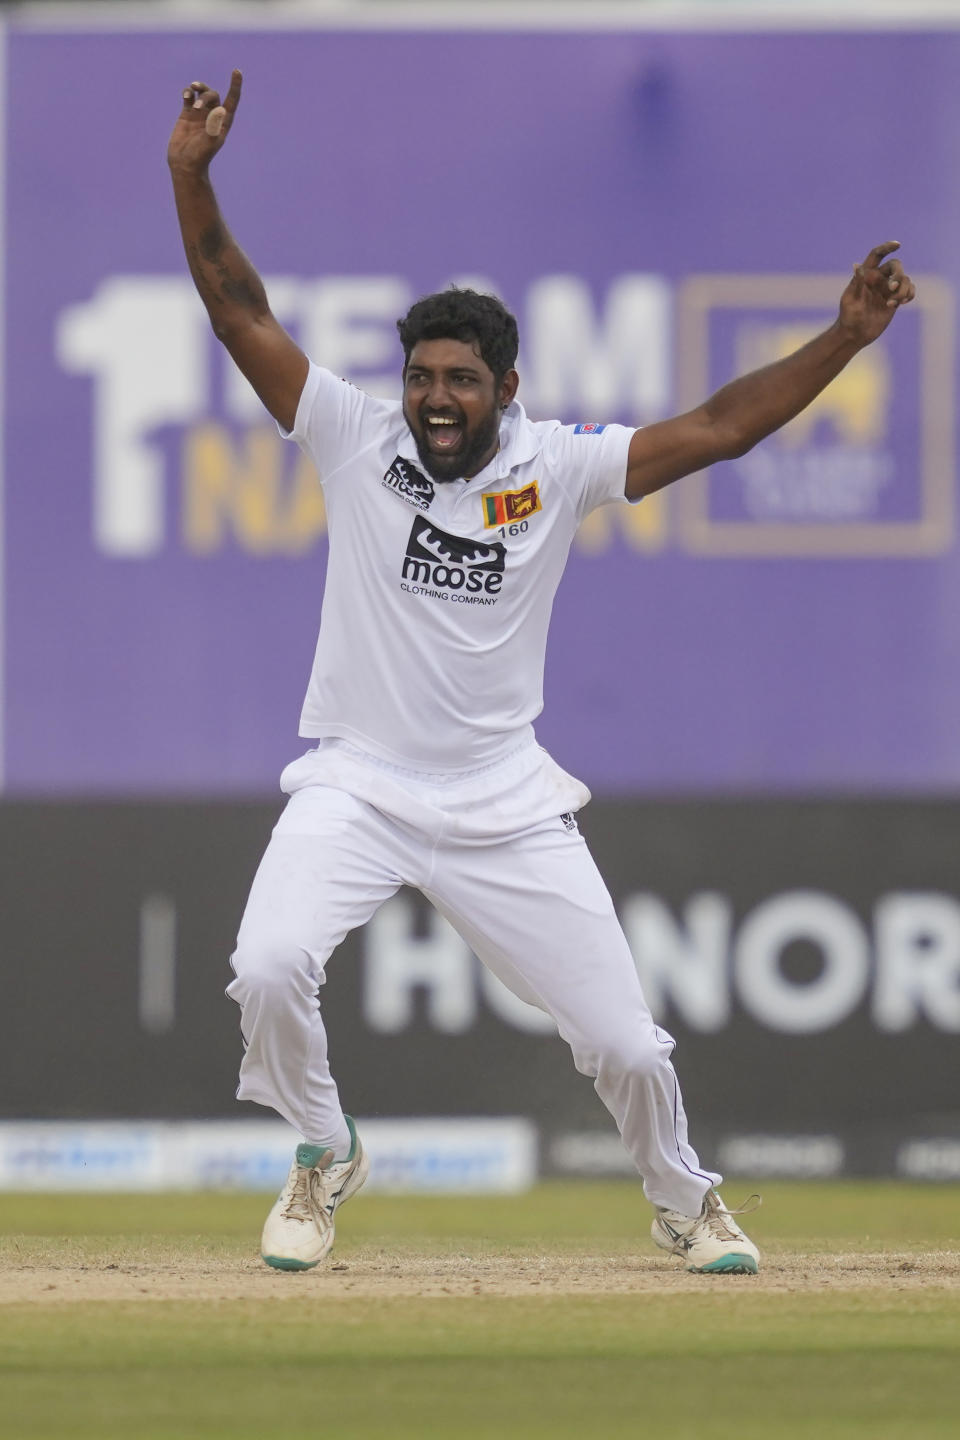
438,595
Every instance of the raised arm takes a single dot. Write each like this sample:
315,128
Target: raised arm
733,420
229,286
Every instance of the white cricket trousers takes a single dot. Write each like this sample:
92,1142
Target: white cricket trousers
531,905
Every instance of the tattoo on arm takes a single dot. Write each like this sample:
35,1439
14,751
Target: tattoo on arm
228,284
240,290
212,241
223,273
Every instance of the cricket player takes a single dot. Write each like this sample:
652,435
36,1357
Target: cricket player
450,518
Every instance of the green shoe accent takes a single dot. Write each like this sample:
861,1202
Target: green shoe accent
283,1262
310,1155
728,1265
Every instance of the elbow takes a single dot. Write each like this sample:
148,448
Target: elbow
732,442
725,436
234,326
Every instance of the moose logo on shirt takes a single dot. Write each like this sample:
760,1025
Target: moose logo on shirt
452,563
406,481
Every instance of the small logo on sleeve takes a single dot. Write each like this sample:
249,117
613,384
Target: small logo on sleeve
511,505
589,427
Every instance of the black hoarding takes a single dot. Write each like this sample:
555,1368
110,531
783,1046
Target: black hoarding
805,955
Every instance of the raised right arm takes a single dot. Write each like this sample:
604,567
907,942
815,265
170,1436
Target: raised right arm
228,284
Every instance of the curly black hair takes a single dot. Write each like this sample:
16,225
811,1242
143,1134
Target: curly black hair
468,315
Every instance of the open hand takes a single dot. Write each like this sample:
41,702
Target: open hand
878,288
203,124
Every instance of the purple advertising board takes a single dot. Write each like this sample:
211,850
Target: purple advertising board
661,210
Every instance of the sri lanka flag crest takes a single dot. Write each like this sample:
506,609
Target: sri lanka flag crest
509,506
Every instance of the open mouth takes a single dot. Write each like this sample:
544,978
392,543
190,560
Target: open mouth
443,433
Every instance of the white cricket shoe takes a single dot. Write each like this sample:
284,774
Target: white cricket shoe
711,1242
299,1229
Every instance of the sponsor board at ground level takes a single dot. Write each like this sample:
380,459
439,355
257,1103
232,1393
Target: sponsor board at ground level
930,1158
802,1157
431,1156
599,1152
883,1150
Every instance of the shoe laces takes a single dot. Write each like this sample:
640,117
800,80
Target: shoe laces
715,1214
302,1201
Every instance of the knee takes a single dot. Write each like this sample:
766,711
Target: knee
270,966
639,1052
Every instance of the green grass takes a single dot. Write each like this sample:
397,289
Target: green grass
485,1367
837,1214
725,1360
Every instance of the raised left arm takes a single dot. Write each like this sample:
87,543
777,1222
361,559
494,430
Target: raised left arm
742,413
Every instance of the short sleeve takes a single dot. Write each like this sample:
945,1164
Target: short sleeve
334,420
590,461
